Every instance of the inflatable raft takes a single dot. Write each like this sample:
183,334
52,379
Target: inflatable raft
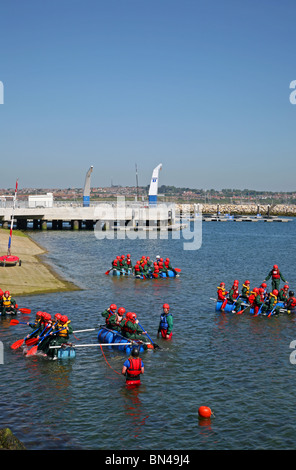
230,306
110,337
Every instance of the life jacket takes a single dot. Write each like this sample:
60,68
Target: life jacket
127,329
167,263
276,274
7,301
274,296
221,293
128,261
235,292
251,298
137,267
115,264
134,369
284,294
109,316
163,321
247,289
64,333
292,302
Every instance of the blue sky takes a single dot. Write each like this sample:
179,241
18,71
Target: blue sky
200,86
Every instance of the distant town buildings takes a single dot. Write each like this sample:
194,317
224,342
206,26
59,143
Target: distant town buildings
165,193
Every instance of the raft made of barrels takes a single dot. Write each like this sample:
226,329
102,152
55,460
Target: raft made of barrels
229,307
150,275
110,337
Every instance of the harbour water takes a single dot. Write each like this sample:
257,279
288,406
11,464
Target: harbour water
238,365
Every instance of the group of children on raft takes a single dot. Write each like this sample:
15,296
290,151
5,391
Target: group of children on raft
127,324
143,267
258,298
50,332
7,304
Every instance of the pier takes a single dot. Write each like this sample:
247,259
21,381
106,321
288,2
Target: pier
108,216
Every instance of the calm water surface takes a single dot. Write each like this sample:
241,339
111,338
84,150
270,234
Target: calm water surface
238,365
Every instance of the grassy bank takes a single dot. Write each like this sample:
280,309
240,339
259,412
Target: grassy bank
33,276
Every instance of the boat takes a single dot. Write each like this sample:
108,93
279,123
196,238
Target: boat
230,307
113,338
120,272
9,260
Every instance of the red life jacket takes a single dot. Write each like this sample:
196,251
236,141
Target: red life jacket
235,292
128,261
292,302
134,370
221,293
127,329
108,318
166,263
276,274
137,267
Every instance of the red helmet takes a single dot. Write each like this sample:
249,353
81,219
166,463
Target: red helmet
261,290
57,316
122,256
117,257
147,257
121,311
247,282
138,262
113,307
39,313
160,259
264,285
6,293
286,287
128,256
1,292
166,306
275,266
222,284
46,316
64,319
275,292
235,282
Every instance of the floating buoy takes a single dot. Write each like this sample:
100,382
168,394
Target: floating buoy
204,412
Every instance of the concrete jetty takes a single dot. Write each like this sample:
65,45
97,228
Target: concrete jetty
118,216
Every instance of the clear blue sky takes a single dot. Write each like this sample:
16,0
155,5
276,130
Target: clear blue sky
201,86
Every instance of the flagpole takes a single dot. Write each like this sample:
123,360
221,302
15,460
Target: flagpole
11,224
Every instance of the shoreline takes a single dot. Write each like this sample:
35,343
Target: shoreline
34,275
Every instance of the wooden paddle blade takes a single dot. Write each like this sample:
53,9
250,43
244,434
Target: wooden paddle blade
31,341
17,344
32,351
14,322
24,310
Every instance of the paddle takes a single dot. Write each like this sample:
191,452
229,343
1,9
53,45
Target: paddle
24,310
32,341
20,342
16,322
107,272
244,310
154,344
269,315
177,269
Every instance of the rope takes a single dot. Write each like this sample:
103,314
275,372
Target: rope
108,362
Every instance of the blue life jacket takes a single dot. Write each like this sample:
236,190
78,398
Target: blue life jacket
163,321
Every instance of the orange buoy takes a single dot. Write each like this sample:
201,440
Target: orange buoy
204,412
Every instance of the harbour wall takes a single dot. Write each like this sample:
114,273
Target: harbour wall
283,210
